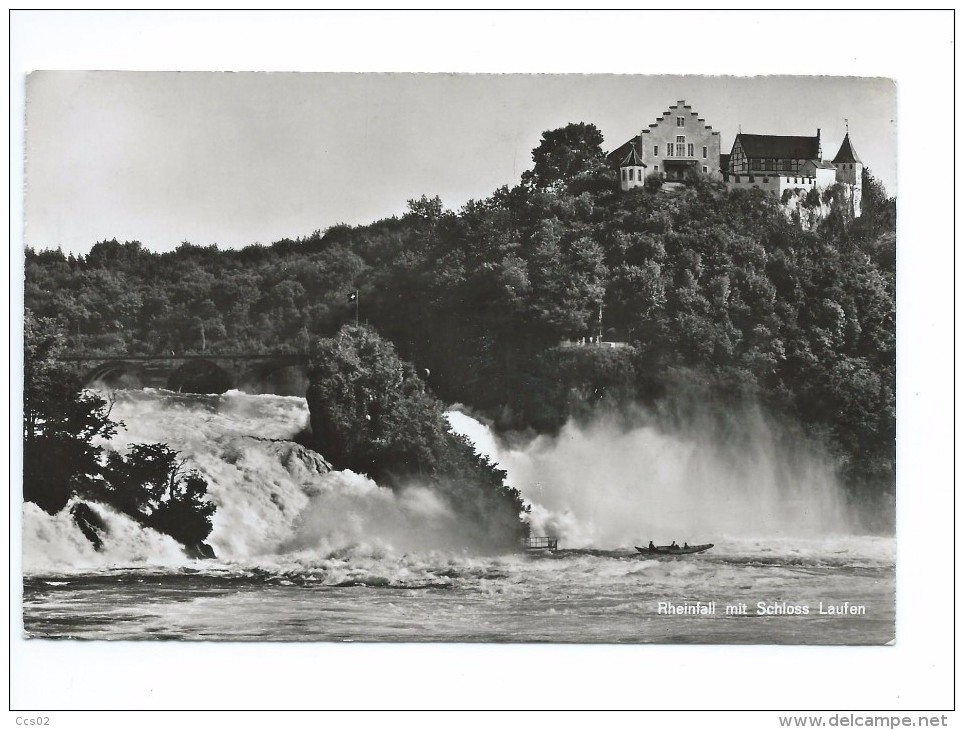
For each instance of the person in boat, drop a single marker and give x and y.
(651, 546)
(685, 545)
(674, 546)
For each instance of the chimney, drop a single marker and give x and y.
(681, 103)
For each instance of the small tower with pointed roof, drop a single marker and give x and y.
(850, 171)
(632, 170)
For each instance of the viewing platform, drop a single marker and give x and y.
(593, 342)
(540, 543)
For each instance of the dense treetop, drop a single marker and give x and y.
(371, 412)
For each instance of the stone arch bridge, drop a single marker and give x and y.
(282, 374)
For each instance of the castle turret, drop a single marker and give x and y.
(631, 170)
(850, 171)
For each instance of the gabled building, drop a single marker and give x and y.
(781, 163)
(754, 153)
(678, 144)
(777, 163)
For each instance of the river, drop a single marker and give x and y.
(310, 553)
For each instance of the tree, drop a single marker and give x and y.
(567, 153)
(370, 412)
(879, 208)
(568, 281)
(152, 485)
(60, 423)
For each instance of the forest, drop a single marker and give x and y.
(719, 294)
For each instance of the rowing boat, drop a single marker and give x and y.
(674, 550)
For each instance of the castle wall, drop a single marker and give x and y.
(826, 177)
(774, 184)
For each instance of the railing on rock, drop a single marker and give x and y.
(540, 543)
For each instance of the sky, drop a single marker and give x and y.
(238, 158)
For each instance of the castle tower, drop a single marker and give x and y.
(850, 172)
(631, 170)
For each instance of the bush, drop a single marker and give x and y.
(654, 182)
(153, 486)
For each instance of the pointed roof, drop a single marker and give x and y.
(773, 146)
(847, 152)
(619, 154)
(632, 159)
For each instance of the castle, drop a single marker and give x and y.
(680, 144)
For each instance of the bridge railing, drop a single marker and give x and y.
(298, 357)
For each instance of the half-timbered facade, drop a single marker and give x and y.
(754, 154)
(779, 163)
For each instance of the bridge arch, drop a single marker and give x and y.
(200, 376)
(115, 374)
(280, 373)
(279, 376)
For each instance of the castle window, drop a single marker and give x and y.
(655, 168)
(680, 146)
(751, 178)
(766, 179)
(736, 178)
(756, 164)
(704, 153)
(631, 174)
(655, 150)
(689, 150)
(679, 121)
(704, 169)
(624, 173)
(669, 149)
